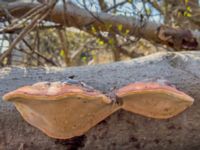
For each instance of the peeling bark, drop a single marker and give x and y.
(122, 130)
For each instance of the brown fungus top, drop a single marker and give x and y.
(53, 91)
(151, 87)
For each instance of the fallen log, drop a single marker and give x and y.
(121, 130)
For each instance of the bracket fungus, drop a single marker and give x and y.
(61, 110)
(153, 99)
(64, 110)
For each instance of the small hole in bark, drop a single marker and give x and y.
(138, 146)
(156, 141)
(71, 77)
(73, 143)
(170, 141)
(133, 139)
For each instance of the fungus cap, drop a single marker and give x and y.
(154, 100)
(61, 110)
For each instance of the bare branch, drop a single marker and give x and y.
(79, 18)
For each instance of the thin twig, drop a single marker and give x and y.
(26, 30)
(40, 55)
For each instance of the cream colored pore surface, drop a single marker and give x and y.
(64, 118)
(155, 104)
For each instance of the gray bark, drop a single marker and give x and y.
(122, 130)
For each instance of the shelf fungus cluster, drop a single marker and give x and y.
(67, 109)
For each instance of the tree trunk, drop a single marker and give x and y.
(121, 130)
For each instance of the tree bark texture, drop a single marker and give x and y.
(121, 130)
